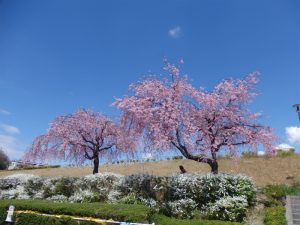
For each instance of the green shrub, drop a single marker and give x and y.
(276, 193)
(249, 154)
(140, 184)
(130, 199)
(24, 167)
(275, 216)
(119, 212)
(65, 186)
(33, 186)
(151, 190)
(3, 213)
(33, 219)
(286, 153)
(30, 219)
(177, 157)
(164, 220)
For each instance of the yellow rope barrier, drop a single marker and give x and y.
(97, 220)
(101, 221)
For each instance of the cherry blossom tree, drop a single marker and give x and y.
(80, 136)
(172, 114)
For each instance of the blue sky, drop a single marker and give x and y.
(57, 56)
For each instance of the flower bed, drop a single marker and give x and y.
(132, 213)
(223, 197)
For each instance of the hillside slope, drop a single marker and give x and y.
(262, 170)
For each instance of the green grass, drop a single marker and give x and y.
(164, 220)
(119, 212)
(275, 211)
(29, 219)
(276, 193)
(275, 216)
(281, 190)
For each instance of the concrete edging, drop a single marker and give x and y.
(288, 210)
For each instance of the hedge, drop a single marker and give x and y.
(31, 219)
(36, 167)
(164, 220)
(120, 212)
(275, 211)
(275, 216)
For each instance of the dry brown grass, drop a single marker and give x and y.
(262, 170)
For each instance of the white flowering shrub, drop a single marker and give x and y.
(34, 187)
(177, 196)
(58, 186)
(58, 198)
(139, 184)
(82, 196)
(209, 188)
(105, 186)
(14, 193)
(12, 181)
(150, 202)
(65, 186)
(131, 198)
(183, 208)
(13, 186)
(228, 209)
(146, 186)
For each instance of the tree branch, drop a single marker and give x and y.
(87, 156)
(105, 148)
(86, 140)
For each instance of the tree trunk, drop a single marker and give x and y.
(212, 162)
(96, 164)
(214, 166)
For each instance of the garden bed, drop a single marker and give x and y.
(189, 197)
(117, 212)
(275, 202)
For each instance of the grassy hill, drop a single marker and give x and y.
(277, 170)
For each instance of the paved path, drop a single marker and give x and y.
(293, 210)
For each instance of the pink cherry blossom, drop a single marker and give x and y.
(171, 113)
(80, 136)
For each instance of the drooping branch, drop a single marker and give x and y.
(87, 141)
(186, 153)
(106, 148)
(87, 156)
(78, 136)
(194, 121)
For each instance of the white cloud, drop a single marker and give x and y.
(175, 32)
(260, 153)
(4, 112)
(9, 129)
(10, 145)
(7, 139)
(293, 134)
(284, 146)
